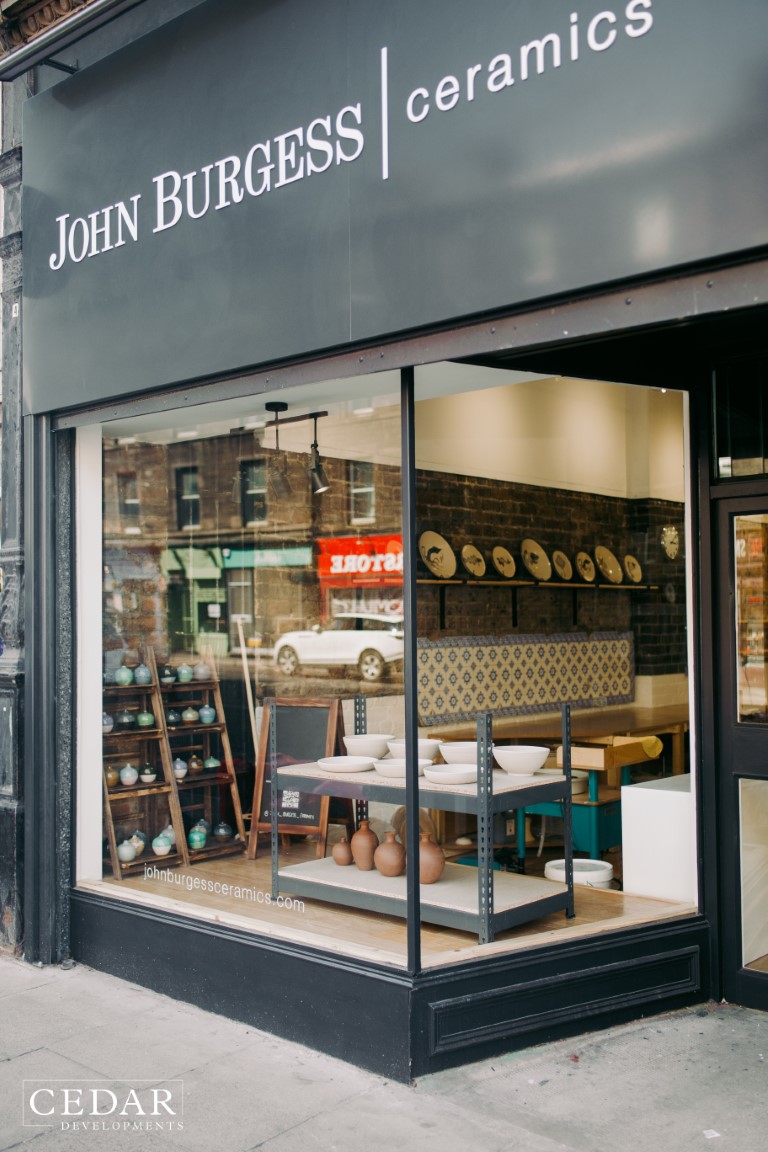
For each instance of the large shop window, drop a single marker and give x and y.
(258, 610)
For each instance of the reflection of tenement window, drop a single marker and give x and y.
(187, 498)
(362, 493)
(128, 506)
(253, 491)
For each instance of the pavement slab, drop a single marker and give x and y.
(679, 1081)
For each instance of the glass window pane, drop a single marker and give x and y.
(753, 795)
(741, 406)
(750, 543)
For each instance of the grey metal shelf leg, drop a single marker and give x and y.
(568, 810)
(485, 826)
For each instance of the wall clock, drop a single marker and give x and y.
(670, 540)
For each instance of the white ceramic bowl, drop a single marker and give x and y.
(396, 767)
(521, 759)
(373, 744)
(451, 773)
(346, 763)
(427, 748)
(459, 751)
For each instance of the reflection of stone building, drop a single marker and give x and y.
(196, 541)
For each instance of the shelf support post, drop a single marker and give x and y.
(272, 754)
(485, 826)
(568, 810)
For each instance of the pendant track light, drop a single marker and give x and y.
(317, 477)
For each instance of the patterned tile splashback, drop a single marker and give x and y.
(522, 675)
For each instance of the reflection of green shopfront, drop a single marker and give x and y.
(212, 590)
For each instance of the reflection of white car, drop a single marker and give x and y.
(363, 639)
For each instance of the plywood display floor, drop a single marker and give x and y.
(193, 891)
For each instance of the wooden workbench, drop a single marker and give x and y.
(624, 720)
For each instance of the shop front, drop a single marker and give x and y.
(400, 401)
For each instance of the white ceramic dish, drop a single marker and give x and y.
(373, 744)
(503, 562)
(451, 773)
(459, 751)
(426, 748)
(633, 568)
(395, 767)
(536, 560)
(579, 780)
(562, 565)
(521, 759)
(437, 554)
(473, 560)
(585, 566)
(346, 763)
(608, 564)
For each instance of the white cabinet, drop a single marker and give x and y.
(658, 834)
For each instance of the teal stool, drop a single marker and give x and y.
(596, 825)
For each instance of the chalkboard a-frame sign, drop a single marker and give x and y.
(305, 730)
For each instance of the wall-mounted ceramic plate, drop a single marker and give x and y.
(473, 560)
(437, 554)
(562, 565)
(536, 560)
(633, 569)
(503, 562)
(608, 565)
(585, 566)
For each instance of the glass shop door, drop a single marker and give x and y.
(743, 746)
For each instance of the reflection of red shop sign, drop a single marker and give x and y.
(351, 560)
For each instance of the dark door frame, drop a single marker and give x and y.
(739, 746)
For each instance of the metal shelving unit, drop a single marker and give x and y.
(488, 902)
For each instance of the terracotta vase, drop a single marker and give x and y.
(389, 857)
(364, 843)
(342, 852)
(431, 860)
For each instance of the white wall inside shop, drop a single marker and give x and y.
(559, 432)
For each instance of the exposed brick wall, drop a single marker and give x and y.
(472, 510)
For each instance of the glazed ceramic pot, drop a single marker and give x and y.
(222, 831)
(128, 775)
(180, 768)
(125, 719)
(145, 720)
(342, 852)
(207, 714)
(142, 674)
(124, 676)
(167, 674)
(169, 834)
(184, 673)
(206, 827)
(389, 857)
(161, 845)
(190, 716)
(137, 834)
(148, 774)
(431, 860)
(195, 764)
(172, 717)
(138, 842)
(364, 843)
(112, 776)
(211, 764)
(107, 722)
(202, 671)
(126, 852)
(197, 839)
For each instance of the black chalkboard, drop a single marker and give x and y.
(305, 731)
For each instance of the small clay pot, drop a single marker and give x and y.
(145, 719)
(142, 674)
(389, 857)
(190, 715)
(431, 860)
(112, 776)
(363, 844)
(342, 852)
(195, 764)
